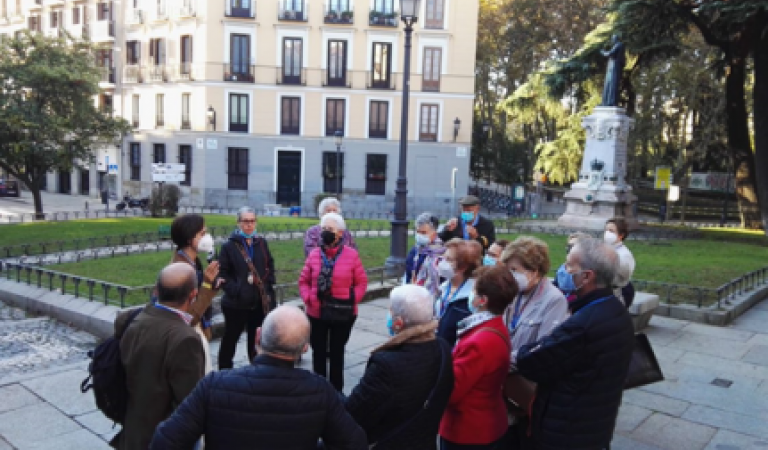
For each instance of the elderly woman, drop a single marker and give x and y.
(476, 417)
(460, 260)
(493, 256)
(616, 230)
(421, 263)
(563, 279)
(312, 238)
(408, 380)
(331, 284)
(248, 295)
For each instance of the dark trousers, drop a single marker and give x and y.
(330, 336)
(235, 320)
(448, 445)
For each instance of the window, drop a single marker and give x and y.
(135, 111)
(159, 153)
(240, 58)
(238, 113)
(132, 53)
(381, 66)
(33, 23)
(185, 157)
(332, 182)
(292, 48)
(135, 161)
(186, 124)
(186, 56)
(157, 51)
(159, 110)
(291, 10)
(75, 15)
(334, 116)
(238, 169)
(103, 11)
(375, 174)
(239, 8)
(337, 63)
(378, 118)
(290, 122)
(432, 63)
(55, 19)
(105, 104)
(435, 10)
(428, 125)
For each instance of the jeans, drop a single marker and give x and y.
(235, 320)
(338, 334)
(448, 445)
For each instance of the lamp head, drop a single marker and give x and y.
(409, 11)
(338, 136)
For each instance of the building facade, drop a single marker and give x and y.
(250, 95)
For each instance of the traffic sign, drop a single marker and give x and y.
(168, 177)
(168, 168)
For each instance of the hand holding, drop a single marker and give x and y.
(211, 272)
(451, 225)
(472, 232)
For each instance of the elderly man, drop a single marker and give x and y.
(470, 225)
(162, 355)
(421, 262)
(408, 381)
(581, 367)
(267, 405)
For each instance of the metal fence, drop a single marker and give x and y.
(742, 285)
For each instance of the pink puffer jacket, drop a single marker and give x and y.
(347, 273)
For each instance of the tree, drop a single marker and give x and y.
(48, 116)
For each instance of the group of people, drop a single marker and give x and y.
(476, 320)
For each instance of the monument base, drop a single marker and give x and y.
(589, 209)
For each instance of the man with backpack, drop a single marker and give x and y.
(162, 356)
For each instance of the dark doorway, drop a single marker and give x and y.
(65, 182)
(289, 178)
(85, 181)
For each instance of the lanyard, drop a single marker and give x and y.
(192, 263)
(444, 306)
(175, 311)
(518, 314)
(464, 227)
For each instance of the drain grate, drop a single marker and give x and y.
(722, 382)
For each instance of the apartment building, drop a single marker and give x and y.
(250, 95)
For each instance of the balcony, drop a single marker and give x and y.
(107, 76)
(296, 77)
(135, 121)
(76, 30)
(239, 72)
(186, 122)
(339, 13)
(186, 11)
(100, 31)
(135, 17)
(375, 80)
(132, 74)
(54, 33)
(245, 9)
(383, 14)
(156, 73)
(343, 80)
(187, 71)
(292, 10)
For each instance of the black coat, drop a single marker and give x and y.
(580, 369)
(456, 311)
(486, 232)
(238, 294)
(267, 405)
(396, 384)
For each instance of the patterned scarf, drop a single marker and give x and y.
(325, 279)
(473, 321)
(427, 276)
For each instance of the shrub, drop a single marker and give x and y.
(164, 201)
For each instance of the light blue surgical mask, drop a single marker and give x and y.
(422, 240)
(390, 324)
(467, 216)
(565, 281)
(489, 260)
(470, 303)
(247, 236)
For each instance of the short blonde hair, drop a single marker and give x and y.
(469, 254)
(532, 252)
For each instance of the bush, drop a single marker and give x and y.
(164, 201)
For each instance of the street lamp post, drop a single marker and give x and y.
(337, 138)
(409, 10)
(211, 117)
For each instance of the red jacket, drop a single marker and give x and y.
(476, 413)
(348, 272)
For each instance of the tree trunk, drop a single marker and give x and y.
(760, 117)
(740, 146)
(34, 188)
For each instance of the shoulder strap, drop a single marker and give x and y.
(497, 333)
(263, 247)
(248, 261)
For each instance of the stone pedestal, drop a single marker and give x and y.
(601, 191)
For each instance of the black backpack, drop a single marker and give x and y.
(106, 376)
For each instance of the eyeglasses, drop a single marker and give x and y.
(248, 221)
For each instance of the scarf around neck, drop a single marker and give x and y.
(427, 275)
(474, 320)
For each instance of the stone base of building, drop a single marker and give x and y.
(589, 210)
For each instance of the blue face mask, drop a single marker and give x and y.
(390, 325)
(247, 236)
(467, 216)
(565, 281)
(489, 261)
(470, 303)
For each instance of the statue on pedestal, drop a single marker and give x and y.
(616, 61)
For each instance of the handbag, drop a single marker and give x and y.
(519, 392)
(644, 368)
(337, 310)
(266, 299)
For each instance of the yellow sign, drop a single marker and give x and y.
(663, 178)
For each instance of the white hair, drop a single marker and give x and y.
(594, 254)
(325, 203)
(412, 303)
(340, 224)
(245, 210)
(426, 219)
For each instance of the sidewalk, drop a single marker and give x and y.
(715, 396)
(11, 206)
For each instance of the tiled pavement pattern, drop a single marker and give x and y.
(44, 409)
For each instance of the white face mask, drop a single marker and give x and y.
(610, 238)
(445, 269)
(422, 240)
(206, 244)
(522, 281)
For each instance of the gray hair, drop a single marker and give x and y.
(340, 224)
(412, 303)
(285, 332)
(594, 254)
(245, 210)
(325, 203)
(579, 235)
(426, 219)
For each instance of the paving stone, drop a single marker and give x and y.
(709, 345)
(96, 422)
(739, 401)
(719, 332)
(740, 423)
(662, 335)
(666, 355)
(77, 440)
(15, 396)
(671, 433)
(759, 339)
(737, 368)
(630, 417)
(23, 426)
(5, 445)
(754, 321)
(69, 400)
(360, 339)
(728, 440)
(655, 402)
(621, 442)
(758, 354)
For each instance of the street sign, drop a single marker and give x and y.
(674, 193)
(663, 178)
(168, 177)
(168, 168)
